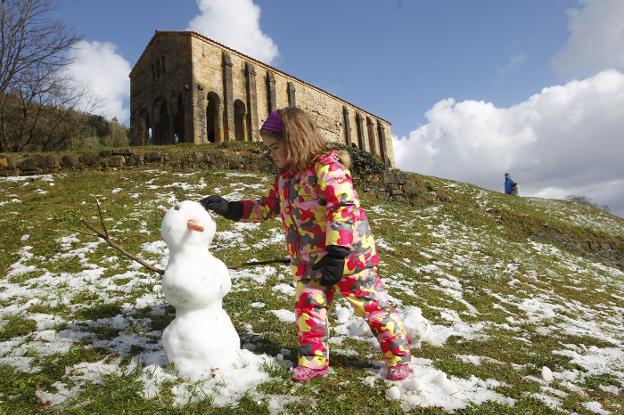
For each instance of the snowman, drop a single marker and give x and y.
(201, 340)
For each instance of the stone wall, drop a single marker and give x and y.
(160, 93)
(128, 158)
(226, 95)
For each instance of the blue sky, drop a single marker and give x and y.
(473, 88)
(395, 58)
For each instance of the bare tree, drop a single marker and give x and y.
(33, 55)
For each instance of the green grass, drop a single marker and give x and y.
(456, 248)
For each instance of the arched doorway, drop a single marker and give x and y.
(240, 121)
(212, 118)
(179, 121)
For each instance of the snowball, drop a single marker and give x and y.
(547, 374)
(418, 328)
(393, 393)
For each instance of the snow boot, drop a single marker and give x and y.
(304, 374)
(398, 372)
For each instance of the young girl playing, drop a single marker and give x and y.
(328, 238)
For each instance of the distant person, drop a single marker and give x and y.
(511, 187)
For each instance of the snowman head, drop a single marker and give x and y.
(187, 225)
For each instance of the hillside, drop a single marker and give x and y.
(508, 284)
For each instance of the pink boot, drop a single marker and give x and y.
(304, 374)
(398, 372)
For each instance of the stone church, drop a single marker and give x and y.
(186, 87)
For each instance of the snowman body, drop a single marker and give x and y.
(201, 339)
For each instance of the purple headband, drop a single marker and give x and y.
(273, 123)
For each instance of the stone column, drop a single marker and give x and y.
(347, 126)
(290, 89)
(382, 140)
(228, 98)
(244, 124)
(171, 115)
(252, 100)
(372, 141)
(271, 91)
(201, 126)
(219, 124)
(362, 132)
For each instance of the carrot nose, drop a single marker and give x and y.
(191, 225)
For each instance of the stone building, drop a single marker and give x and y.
(186, 87)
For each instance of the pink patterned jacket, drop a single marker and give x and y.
(318, 207)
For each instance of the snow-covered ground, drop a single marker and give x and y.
(458, 287)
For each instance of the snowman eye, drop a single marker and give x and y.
(177, 207)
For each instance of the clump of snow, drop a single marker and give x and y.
(418, 328)
(286, 316)
(259, 275)
(547, 374)
(430, 387)
(225, 386)
(285, 289)
(596, 408)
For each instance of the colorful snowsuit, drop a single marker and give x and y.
(319, 207)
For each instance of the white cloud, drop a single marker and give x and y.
(596, 39)
(103, 74)
(567, 139)
(235, 23)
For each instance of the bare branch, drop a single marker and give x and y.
(101, 218)
(256, 263)
(113, 244)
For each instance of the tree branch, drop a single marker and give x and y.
(113, 244)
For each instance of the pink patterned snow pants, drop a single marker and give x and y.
(369, 299)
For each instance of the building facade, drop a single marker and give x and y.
(186, 87)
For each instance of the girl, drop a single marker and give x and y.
(328, 239)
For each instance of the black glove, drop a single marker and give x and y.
(229, 210)
(331, 265)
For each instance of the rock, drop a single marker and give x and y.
(116, 161)
(152, 157)
(39, 163)
(90, 159)
(135, 160)
(69, 161)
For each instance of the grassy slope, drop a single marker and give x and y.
(475, 242)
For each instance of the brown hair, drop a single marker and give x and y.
(302, 140)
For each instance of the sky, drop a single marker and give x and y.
(472, 89)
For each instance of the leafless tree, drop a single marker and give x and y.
(33, 53)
